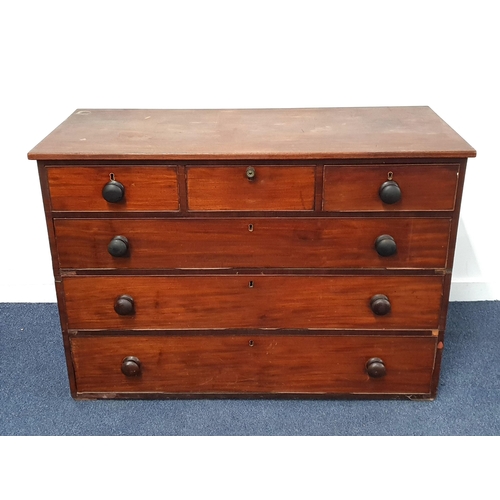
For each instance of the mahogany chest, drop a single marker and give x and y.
(253, 253)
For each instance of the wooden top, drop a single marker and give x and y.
(320, 133)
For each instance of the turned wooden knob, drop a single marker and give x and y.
(118, 246)
(131, 366)
(390, 192)
(375, 368)
(124, 305)
(380, 304)
(113, 192)
(385, 245)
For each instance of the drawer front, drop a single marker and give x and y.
(423, 187)
(271, 188)
(152, 189)
(252, 301)
(252, 243)
(254, 364)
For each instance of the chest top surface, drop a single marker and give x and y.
(231, 134)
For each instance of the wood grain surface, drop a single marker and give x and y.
(273, 364)
(252, 243)
(423, 187)
(402, 132)
(147, 188)
(253, 301)
(273, 188)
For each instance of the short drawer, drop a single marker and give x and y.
(422, 187)
(80, 189)
(236, 364)
(250, 188)
(252, 301)
(253, 243)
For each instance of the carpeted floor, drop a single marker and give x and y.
(35, 399)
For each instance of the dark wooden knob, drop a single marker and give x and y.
(375, 368)
(250, 173)
(113, 192)
(390, 192)
(124, 305)
(118, 246)
(380, 304)
(131, 366)
(385, 245)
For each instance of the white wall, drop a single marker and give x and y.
(59, 56)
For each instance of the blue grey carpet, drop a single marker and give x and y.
(35, 399)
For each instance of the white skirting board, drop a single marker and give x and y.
(27, 292)
(470, 291)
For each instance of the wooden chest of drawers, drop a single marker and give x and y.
(253, 253)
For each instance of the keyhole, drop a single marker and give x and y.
(390, 175)
(250, 284)
(111, 176)
(250, 343)
(250, 227)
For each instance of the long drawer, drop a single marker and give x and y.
(252, 364)
(251, 301)
(252, 243)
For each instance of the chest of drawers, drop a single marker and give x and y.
(253, 253)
